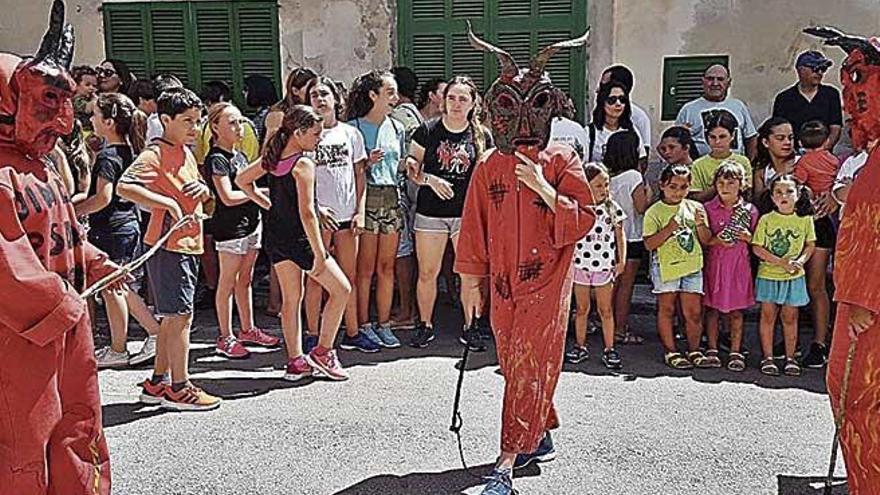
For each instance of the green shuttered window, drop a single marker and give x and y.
(198, 41)
(683, 81)
(432, 40)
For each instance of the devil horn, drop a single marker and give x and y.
(52, 38)
(509, 68)
(847, 42)
(64, 54)
(540, 60)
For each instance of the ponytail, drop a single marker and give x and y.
(137, 133)
(297, 118)
(273, 149)
(129, 122)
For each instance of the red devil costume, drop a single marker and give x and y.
(50, 411)
(520, 247)
(857, 272)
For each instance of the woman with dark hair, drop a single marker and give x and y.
(114, 76)
(441, 159)
(775, 156)
(294, 94)
(612, 114)
(370, 103)
(629, 190)
(677, 146)
(259, 93)
(431, 97)
(720, 129)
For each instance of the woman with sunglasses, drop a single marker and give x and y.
(113, 76)
(613, 113)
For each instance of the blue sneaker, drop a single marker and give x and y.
(309, 343)
(544, 453)
(500, 482)
(359, 342)
(369, 331)
(386, 336)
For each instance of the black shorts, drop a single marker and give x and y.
(826, 234)
(635, 250)
(173, 278)
(120, 244)
(298, 251)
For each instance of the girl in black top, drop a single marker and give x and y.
(441, 159)
(293, 239)
(236, 230)
(113, 221)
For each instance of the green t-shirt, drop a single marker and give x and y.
(681, 254)
(784, 236)
(704, 168)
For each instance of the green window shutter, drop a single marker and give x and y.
(215, 50)
(432, 40)
(256, 44)
(171, 50)
(125, 35)
(683, 81)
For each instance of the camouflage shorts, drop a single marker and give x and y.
(382, 210)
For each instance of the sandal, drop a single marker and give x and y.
(676, 361)
(737, 362)
(792, 368)
(712, 359)
(698, 359)
(629, 338)
(768, 367)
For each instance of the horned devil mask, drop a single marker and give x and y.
(35, 93)
(523, 102)
(860, 75)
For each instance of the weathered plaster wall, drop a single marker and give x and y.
(762, 38)
(343, 38)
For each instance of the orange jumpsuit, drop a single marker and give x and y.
(857, 282)
(51, 439)
(511, 236)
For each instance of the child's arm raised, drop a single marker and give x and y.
(703, 232)
(245, 181)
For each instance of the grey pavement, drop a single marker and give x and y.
(386, 431)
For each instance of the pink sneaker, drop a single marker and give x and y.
(231, 348)
(258, 337)
(297, 368)
(328, 365)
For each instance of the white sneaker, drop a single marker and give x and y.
(147, 352)
(108, 358)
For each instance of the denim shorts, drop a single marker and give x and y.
(438, 225)
(241, 246)
(692, 284)
(173, 278)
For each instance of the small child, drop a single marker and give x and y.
(166, 179)
(674, 229)
(598, 259)
(728, 275)
(721, 133)
(817, 169)
(86, 79)
(784, 240)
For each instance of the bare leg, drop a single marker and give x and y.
(273, 305)
(430, 247)
(790, 329)
(346, 255)
(244, 300)
(386, 255)
(605, 306)
(820, 303)
(404, 268)
(117, 317)
(623, 295)
(692, 307)
(769, 311)
(173, 346)
(735, 322)
(290, 277)
(366, 267)
(141, 313)
(582, 312)
(229, 268)
(315, 294)
(334, 282)
(665, 313)
(712, 320)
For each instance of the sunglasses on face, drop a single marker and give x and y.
(614, 100)
(105, 72)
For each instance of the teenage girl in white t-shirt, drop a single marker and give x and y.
(340, 192)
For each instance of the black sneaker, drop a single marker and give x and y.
(577, 354)
(470, 336)
(544, 453)
(423, 335)
(485, 328)
(611, 359)
(817, 356)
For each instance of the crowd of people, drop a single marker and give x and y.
(358, 194)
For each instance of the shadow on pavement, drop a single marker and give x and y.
(444, 482)
(814, 485)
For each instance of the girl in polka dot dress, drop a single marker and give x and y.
(598, 259)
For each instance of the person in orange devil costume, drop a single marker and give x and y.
(51, 441)
(527, 205)
(857, 273)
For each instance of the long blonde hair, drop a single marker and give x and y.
(214, 114)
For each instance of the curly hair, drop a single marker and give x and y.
(359, 101)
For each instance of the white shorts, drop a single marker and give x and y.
(241, 246)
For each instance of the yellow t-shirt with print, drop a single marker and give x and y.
(784, 236)
(681, 255)
(703, 170)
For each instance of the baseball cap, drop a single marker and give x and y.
(813, 60)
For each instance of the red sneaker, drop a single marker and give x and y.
(231, 348)
(297, 368)
(258, 337)
(152, 394)
(328, 365)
